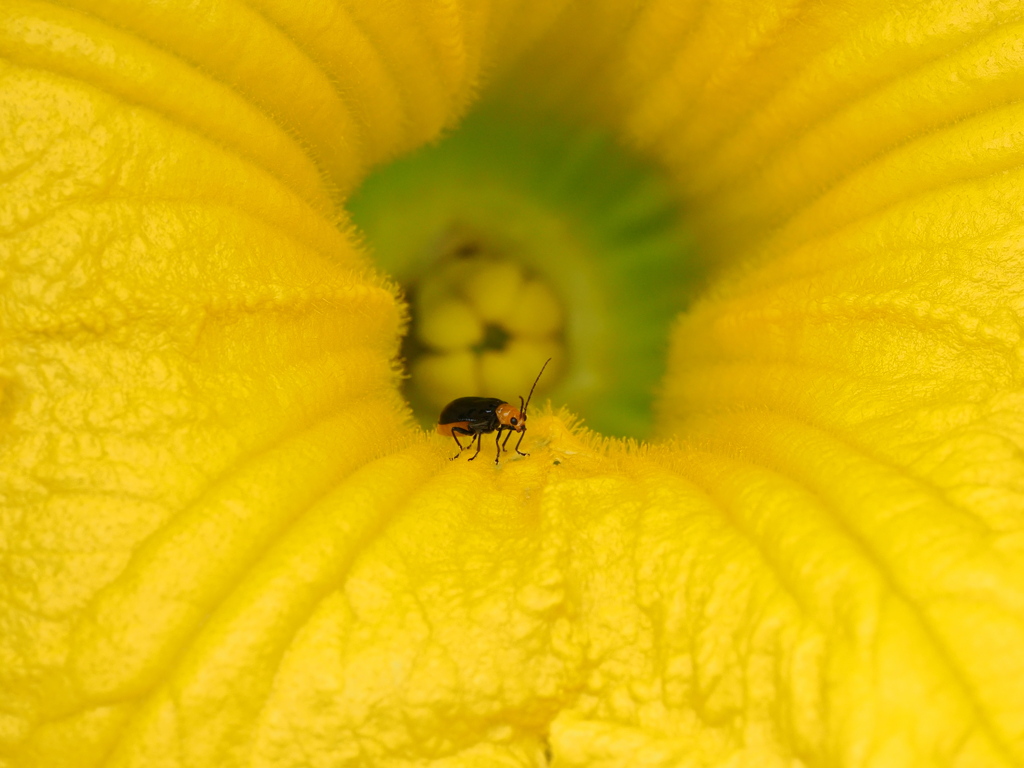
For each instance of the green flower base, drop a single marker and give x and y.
(594, 222)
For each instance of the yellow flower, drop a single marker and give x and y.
(224, 544)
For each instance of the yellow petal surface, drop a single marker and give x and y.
(221, 544)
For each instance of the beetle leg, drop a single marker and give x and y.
(456, 439)
(504, 445)
(521, 436)
(479, 435)
(497, 445)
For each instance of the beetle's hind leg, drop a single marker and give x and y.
(461, 449)
(479, 435)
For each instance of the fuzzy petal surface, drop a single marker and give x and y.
(223, 544)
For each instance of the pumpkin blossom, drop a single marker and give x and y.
(224, 542)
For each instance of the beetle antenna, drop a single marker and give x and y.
(533, 388)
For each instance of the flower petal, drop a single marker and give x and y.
(222, 544)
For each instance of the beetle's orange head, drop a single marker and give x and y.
(511, 417)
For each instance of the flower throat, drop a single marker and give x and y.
(519, 239)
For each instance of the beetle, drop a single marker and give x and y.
(478, 416)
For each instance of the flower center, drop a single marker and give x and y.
(481, 322)
(519, 239)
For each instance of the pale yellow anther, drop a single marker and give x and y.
(536, 311)
(493, 289)
(448, 325)
(454, 306)
(441, 378)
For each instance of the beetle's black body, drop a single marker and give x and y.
(478, 416)
(478, 412)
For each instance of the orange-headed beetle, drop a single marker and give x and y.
(477, 416)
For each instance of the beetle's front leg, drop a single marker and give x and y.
(519, 442)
